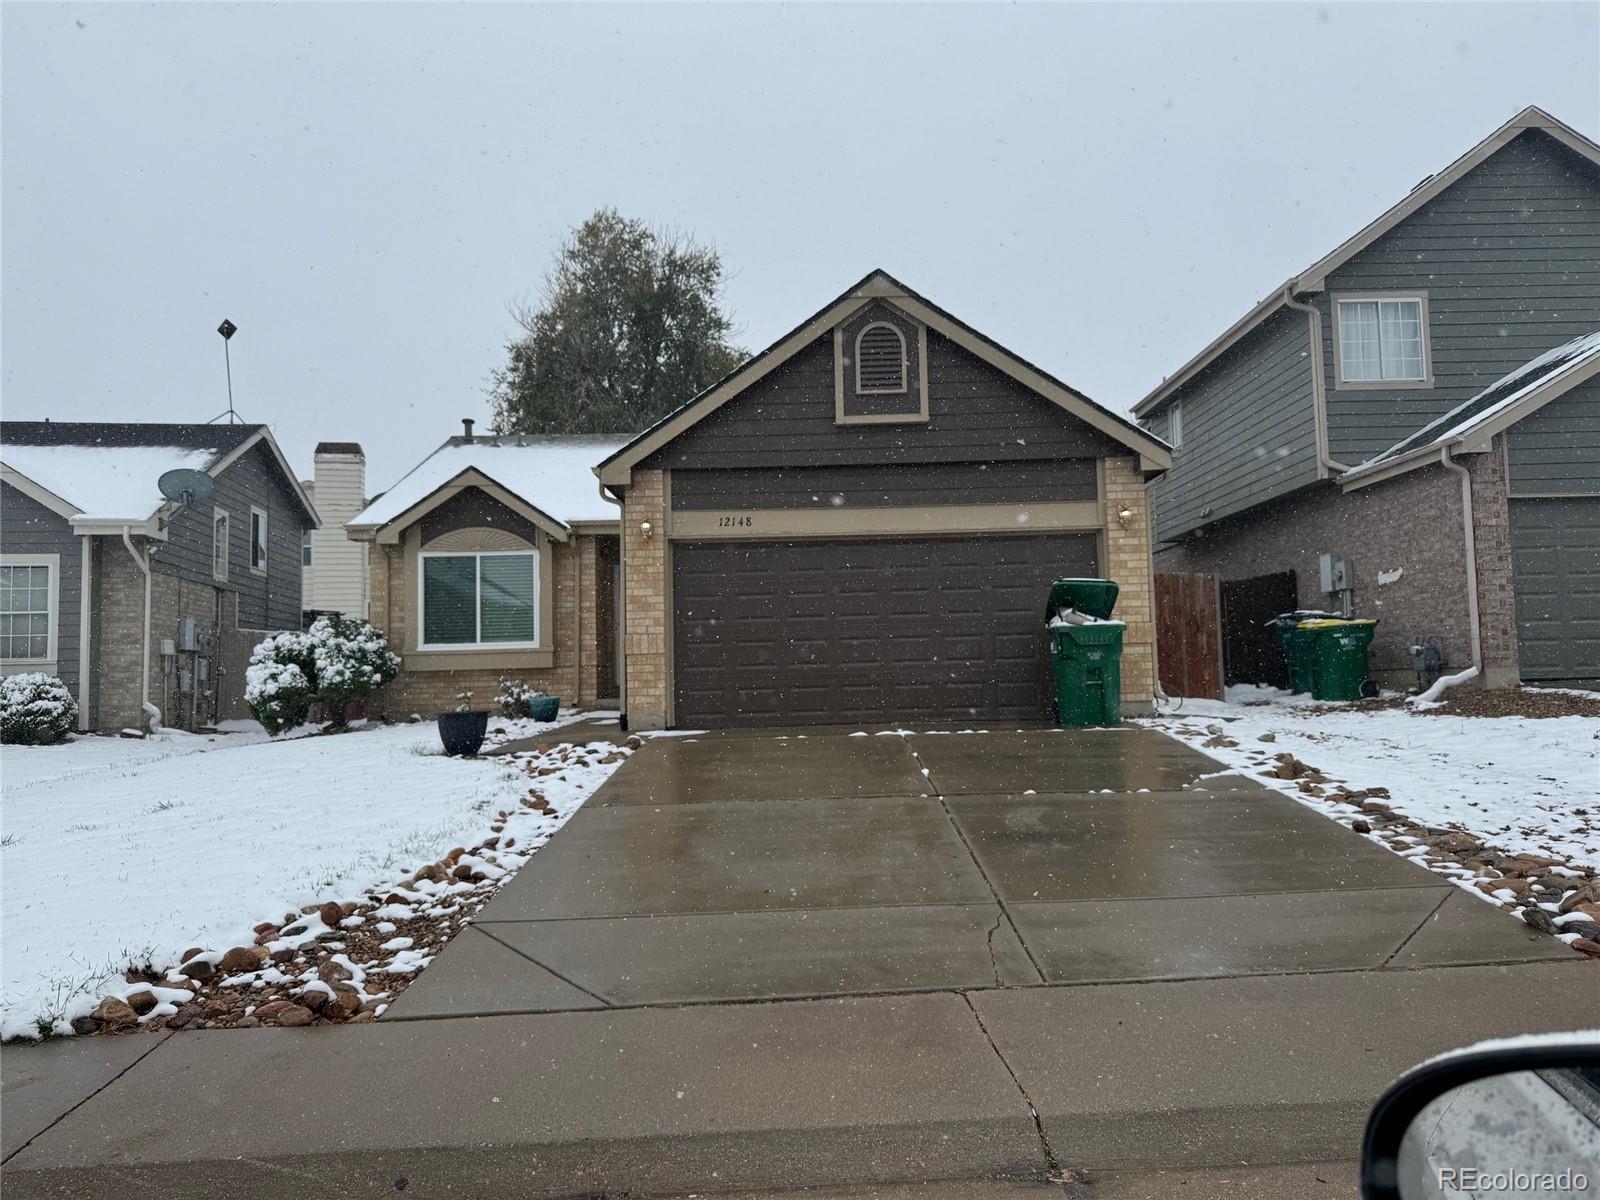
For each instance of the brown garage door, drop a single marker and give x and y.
(869, 630)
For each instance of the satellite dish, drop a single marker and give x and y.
(186, 487)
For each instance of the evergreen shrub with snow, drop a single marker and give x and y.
(513, 698)
(337, 661)
(35, 710)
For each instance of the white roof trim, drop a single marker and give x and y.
(37, 492)
(265, 435)
(1314, 277)
(468, 477)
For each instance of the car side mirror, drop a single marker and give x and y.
(1519, 1117)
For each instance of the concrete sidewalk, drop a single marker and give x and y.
(764, 961)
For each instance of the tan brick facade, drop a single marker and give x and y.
(644, 584)
(1497, 599)
(572, 676)
(1127, 562)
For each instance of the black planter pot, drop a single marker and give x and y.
(463, 732)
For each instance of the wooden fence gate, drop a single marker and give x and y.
(1189, 635)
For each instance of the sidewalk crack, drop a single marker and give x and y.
(1057, 1174)
(1432, 912)
(542, 966)
(158, 1042)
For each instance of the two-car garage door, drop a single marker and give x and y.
(866, 630)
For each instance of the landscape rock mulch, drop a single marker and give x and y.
(344, 961)
(1535, 703)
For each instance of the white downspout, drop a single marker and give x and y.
(619, 605)
(1471, 546)
(85, 627)
(1319, 385)
(151, 712)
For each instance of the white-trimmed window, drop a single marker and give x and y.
(1382, 340)
(29, 592)
(880, 360)
(478, 599)
(1175, 424)
(219, 545)
(305, 546)
(258, 540)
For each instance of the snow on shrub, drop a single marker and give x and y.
(337, 661)
(513, 698)
(35, 709)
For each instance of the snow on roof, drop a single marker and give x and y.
(106, 483)
(1498, 396)
(553, 474)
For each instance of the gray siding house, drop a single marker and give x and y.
(145, 608)
(1420, 403)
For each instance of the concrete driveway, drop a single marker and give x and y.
(820, 959)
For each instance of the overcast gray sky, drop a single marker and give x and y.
(364, 188)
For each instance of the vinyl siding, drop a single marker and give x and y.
(270, 601)
(886, 486)
(1509, 257)
(28, 527)
(337, 578)
(1556, 451)
(975, 414)
(1249, 432)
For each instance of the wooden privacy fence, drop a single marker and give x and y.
(1189, 635)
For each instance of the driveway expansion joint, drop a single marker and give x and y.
(544, 966)
(1421, 925)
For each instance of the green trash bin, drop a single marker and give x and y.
(1086, 659)
(1339, 649)
(1298, 654)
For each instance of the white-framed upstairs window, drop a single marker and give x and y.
(1175, 424)
(29, 595)
(219, 545)
(258, 540)
(478, 600)
(1381, 341)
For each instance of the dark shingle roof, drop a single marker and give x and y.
(224, 439)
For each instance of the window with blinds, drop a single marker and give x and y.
(474, 600)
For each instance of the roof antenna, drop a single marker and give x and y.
(227, 329)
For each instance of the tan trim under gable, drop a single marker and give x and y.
(777, 524)
(617, 471)
(1314, 278)
(391, 532)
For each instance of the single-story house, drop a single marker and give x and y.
(496, 557)
(861, 522)
(146, 607)
(1410, 429)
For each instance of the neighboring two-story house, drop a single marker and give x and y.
(334, 566)
(146, 607)
(1410, 428)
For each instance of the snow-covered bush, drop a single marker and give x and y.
(513, 698)
(35, 709)
(337, 662)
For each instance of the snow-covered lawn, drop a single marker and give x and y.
(119, 852)
(1519, 784)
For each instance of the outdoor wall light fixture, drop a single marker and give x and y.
(647, 530)
(1124, 515)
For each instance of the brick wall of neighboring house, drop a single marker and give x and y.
(431, 692)
(644, 583)
(1497, 598)
(1410, 524)
(117, 628)
(1128, 563)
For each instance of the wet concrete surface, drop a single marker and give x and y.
(757, 961)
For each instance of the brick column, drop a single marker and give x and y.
(1491, 530)
(1128, 564)
(644, 582)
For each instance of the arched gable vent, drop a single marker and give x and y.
(880, 359)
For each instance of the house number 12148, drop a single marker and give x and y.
(733, 522)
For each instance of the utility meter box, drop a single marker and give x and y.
(1338, 574)
(186, 640)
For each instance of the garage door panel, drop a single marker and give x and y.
(880, 630)
(1556, 564)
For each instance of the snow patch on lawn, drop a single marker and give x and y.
(121, 852)
(1523, 785)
